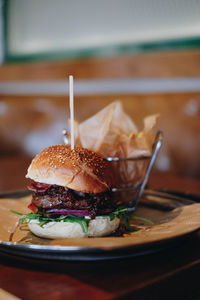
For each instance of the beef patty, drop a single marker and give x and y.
(60, 197)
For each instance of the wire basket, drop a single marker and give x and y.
(129, 192)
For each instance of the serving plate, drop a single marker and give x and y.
(170, 226)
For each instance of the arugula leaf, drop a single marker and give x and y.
(121, 212)
(26, 218)
(143, 219)
(126, 221)
(16, 212)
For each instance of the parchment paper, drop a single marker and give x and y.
(112, 133)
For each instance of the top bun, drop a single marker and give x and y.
(79, 169)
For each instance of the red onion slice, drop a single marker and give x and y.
(77, 213)
(72, 212)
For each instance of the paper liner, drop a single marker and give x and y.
(112, 133)
(168, 225)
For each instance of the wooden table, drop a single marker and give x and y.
(170, 274)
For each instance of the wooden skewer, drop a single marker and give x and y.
(71, 106)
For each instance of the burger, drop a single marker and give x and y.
(71, 194)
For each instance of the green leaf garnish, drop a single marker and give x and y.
(121, 212)
(143, 220)
(16, 212)
(26, 218)
(125, 216)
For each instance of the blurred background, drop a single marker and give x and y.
(145, 53)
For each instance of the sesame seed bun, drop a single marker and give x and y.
(79, 169)
(100, 226)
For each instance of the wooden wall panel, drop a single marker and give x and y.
(157, 64)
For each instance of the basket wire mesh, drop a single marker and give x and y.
(133, 193)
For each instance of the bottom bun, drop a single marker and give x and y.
(100, 226)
